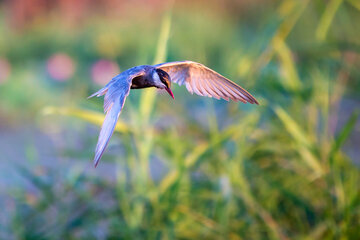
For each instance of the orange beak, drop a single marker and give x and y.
(170, 92)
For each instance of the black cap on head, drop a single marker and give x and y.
(164, 77)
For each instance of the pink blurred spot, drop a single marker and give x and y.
(5, 70)
(60, 67)
(103, 71)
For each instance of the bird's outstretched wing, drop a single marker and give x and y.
(115, 93)
(205, 81)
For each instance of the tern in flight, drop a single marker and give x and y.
(197, 78)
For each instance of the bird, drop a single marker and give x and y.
(197, 78)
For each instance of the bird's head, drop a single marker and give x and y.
(165, 81)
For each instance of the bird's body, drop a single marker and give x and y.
(196, 77)
(142, 81)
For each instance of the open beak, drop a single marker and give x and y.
(170, 92)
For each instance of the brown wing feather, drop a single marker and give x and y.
(205, 81)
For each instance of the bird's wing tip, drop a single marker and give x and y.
(255, 101)
(99, 93)
(97, 159)
(90, 96)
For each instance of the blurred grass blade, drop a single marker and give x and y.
(45, 188)
(163, 39)
(147, 103)
(87, 115)
(292, 127)
(209, 223)
(304, 142)
(149, 95)
(173, 176)
(344, 134)
(291, 11)
(232, 132)
(311, 161)
(291, 78)
(327, 18)
(190, 160)
(355, 3)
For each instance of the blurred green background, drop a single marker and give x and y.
(193, 168)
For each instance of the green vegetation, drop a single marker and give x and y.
(197, 168)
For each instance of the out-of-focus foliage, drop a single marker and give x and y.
(193, 168)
